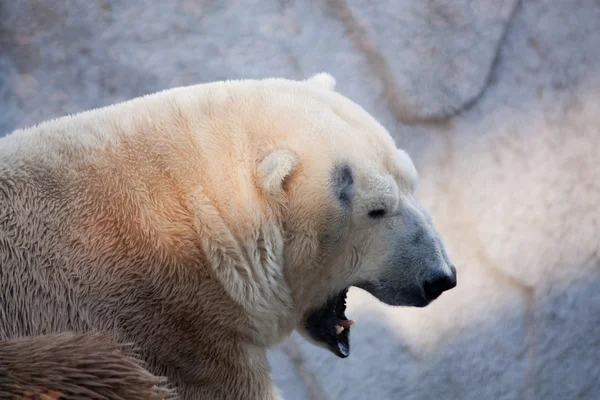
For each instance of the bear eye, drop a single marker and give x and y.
(378, 213)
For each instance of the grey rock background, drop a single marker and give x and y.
(498, 102)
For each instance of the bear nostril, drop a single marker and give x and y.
(434, 288)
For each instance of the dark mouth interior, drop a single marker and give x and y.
(330, 326)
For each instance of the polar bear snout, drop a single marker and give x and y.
(421, 256)
(433, 288)
(417, 269)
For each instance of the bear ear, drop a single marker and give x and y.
(408, 168)
(323, 80)
(275, 168)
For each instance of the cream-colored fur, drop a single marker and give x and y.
(202, 223)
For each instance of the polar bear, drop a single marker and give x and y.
(205, 223)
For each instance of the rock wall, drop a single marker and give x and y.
(496, 100)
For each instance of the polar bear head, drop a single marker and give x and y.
(350, 216)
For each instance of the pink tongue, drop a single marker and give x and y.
(346, 323)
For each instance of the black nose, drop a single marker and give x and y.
(437, 286)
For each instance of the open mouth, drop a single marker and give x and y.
(329, 325)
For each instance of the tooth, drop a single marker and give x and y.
(339, 329)
(347, 323)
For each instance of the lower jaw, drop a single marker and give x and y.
(411, 297)
(324, 333)
(329, 327)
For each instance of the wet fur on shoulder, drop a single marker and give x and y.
(68, 367)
